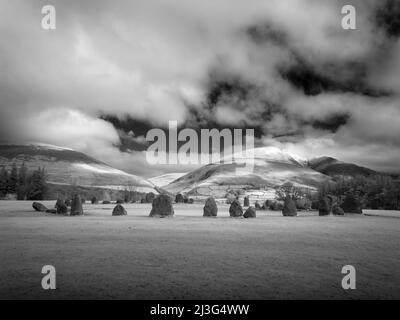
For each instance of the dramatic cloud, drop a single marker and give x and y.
(112, 70)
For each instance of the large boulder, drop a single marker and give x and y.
(119, 210)
(210, 208)
(106, 202)
(162, 206)
(94, 200)
(179, 198)
(76, 206)
(250, 213)
(235, 210)
(289, 208)
(62, 208)
(325, 206)
(246, 202)
(337, 210)
(351, 204)
(39, 207)
(257, 205)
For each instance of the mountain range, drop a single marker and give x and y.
(272, 168)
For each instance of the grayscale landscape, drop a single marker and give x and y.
(192, 257)
(212, 150)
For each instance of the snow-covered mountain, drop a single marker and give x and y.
(68, 167)
(272, 168)
(165, 179)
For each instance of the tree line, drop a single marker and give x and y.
(374, 192)
(22, 184)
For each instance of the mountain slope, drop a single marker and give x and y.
(68, 167)
(165, 179)
(333, 167)
(272, 168)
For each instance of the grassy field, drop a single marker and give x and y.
(190, 257)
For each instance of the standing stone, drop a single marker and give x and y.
(351, 204)
(62, 208)
(246, 202)
(179, 198)
(76, 206)
(119, 210)
(39, 207)
(235, 210)
(324, 206)
(162, 207)
(257, 205)
(59, 202)
(289, 208)
(210, 208)
(250, 213)
(337, 210)
(94, 200)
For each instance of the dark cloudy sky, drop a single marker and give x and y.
(113, 69)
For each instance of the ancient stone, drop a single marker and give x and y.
(289, 208)
(62, 208)
(235, 210)
(76, 206)
(257, 205)
(162, 206)
(210, 208)
(119, 210)
(246, 202)
(250, 213)
(51, 211)
(106, 202)
(324, 206)
(179, 198)
(94, 200)
(39, 207)
(59, 202)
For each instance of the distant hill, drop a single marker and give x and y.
(333, 167)
(272, 168)
(165, 179)
(68, 167)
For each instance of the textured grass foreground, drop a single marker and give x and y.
(190, 257)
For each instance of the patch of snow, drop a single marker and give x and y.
(101, 169)
(166, 179)
(50, 146)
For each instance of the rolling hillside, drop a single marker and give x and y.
(68, 167)
(333, 167)
(272, 168)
